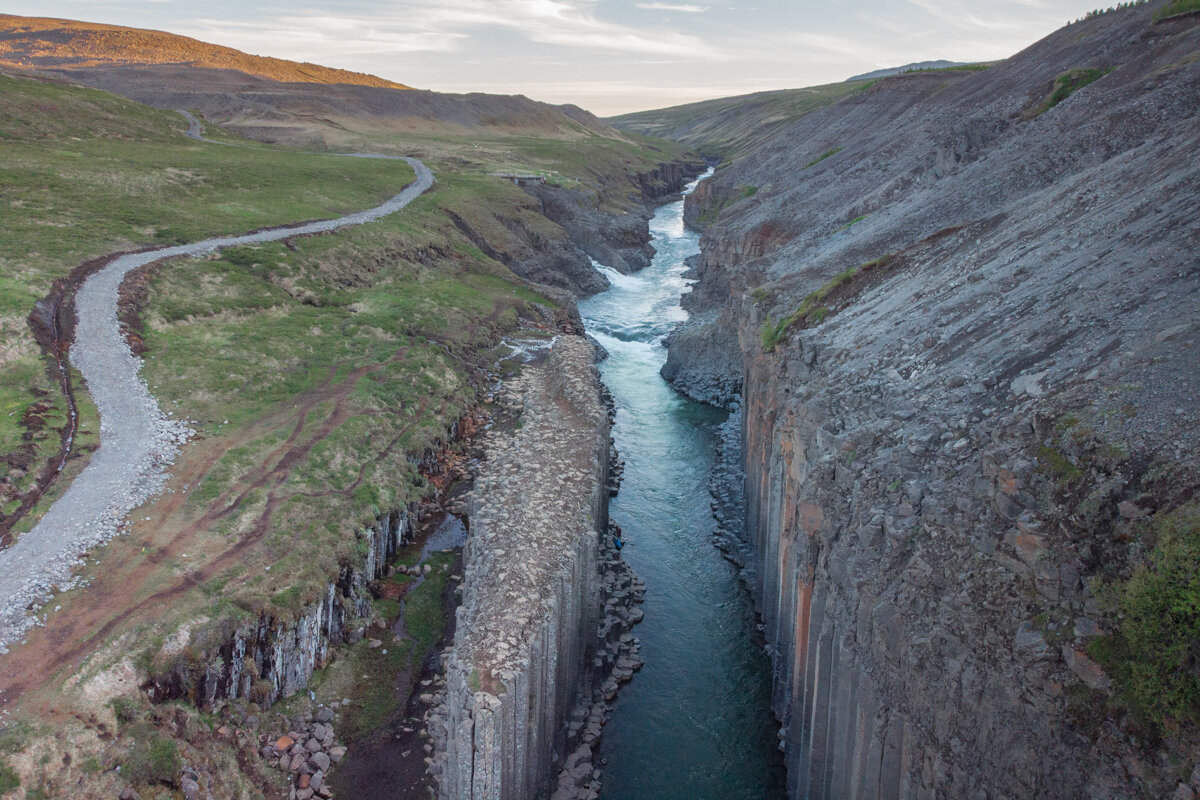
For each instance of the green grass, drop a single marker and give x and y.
(423, 614)
(1053, 462)
(823, 156)
(1070, 82)
(1177, 7)
(153, 759)
(241, 338)
(86, 173)
(1152, 654)
(376, 697)
(810, 311)
(976, 67)
(8, 779)
(851, 222)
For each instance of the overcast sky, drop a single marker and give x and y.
(609, 56)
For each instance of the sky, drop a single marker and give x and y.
(609, 56)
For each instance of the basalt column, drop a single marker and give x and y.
(532, 596)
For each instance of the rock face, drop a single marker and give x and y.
(273, 658)
(944, 459)
(532, 589)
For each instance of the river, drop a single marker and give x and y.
(695, 722)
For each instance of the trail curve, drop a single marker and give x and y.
(137, 440)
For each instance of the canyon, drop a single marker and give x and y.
(941, 355)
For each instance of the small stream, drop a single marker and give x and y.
(695, 722)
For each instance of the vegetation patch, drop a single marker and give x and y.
(1177, 7)
(823, 156)
(153, 759)
(1152, 656)
(810, 311)
(392, 669)
(1068, 83)
(852, 222)
(1054, 462)
(975, 67)
(826, 300)
(8, 779)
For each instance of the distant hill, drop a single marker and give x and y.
(726, 126)
(46, 43)
(268, 99)
(883, 73)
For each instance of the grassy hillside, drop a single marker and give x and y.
(87, 173)
(47, 42)
(728, 126)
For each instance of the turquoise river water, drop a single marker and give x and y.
(695, 722)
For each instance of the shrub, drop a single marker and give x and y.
(1154, 656)
(1178, 7)
(8, 779)
(152, 760)
(125, 709)
(1070, 82)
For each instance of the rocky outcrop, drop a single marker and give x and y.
(965, 374)
(664, 182)
(617, 240)
(273, 657)
(533, 586)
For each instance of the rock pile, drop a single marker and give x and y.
(306, 752)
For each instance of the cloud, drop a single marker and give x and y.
(690, 9)
(407, 26)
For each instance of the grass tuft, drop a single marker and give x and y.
(809, 312)
(822, 157)
(8, 779)
(1153, 654)
(1070, 82)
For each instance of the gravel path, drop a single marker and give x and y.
(138, 441)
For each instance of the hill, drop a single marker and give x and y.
(916, 65)
(730, 126)
(47, 43)
(268, 99)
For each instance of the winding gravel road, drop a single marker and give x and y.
(138, 441)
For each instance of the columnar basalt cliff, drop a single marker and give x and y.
(271, 657)
(532, 588)
(968, 351)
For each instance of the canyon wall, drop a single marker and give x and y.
(968, 351)
(274, 656)
(532, 589)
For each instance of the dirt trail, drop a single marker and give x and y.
(138, 441)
